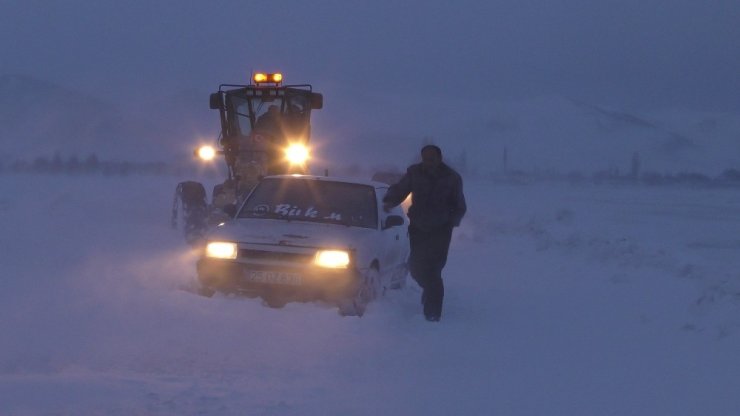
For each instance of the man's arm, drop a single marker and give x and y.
(459, 207)
(397, 192)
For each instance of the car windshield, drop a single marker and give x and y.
(310, 200)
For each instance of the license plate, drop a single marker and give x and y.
(278, 278)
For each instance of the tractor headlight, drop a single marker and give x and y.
(332, 259)
(206, 153)
(221, 250)
(296, 154)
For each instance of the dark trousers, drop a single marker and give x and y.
(427, 259)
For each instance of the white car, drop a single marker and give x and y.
(299, 237)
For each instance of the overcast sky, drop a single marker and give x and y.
(632, 54)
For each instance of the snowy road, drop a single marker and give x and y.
(560, 300)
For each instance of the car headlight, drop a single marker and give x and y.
(221, 250)
(332, 259)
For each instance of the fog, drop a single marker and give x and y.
(392, 74)
(620, 298)
(633, 54)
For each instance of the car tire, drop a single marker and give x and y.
(369, 290)
(205, 291)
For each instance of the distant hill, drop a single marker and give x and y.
(368, 129)
(546, 133)
(562, 134)
(41, 118)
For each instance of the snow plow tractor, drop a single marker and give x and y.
(265, 130)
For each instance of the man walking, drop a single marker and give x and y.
(437, 205)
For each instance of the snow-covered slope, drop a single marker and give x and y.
(559, 134)
(560, 300)
(360, 128)
(38, 118)
(545, 133)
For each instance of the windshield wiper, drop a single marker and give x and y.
(336, 221)
(253, 213)
(262, 214)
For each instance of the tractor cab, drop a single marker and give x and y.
(265, 130)
(265, 124)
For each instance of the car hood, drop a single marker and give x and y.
(292, 233)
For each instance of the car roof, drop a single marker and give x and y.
(356, 181)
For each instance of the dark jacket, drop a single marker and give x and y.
(437, 199)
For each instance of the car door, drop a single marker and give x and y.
(394, 239)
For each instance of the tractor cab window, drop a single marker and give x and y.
(249, 111)
(262, 107)
(279, 115)
(296, 120)
(298, 106)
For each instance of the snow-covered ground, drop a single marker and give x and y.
(560, 300)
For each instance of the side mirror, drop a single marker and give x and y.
(317, 101)
(393, 221)
(216, 102)
(230, 210)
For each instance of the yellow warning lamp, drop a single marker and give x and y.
(261, 78)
